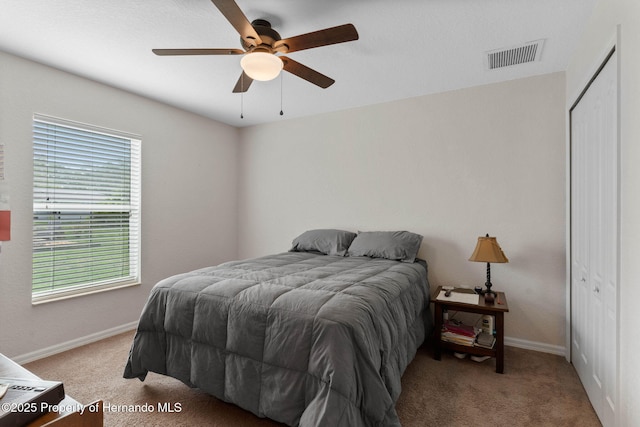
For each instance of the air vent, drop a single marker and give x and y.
(528, 52)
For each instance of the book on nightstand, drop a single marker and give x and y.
(458, 333)
(485, 340)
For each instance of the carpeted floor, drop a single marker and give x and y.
(537, 389)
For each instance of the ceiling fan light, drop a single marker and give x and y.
(261, 66)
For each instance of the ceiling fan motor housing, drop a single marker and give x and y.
(268, 35)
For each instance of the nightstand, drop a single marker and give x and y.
(497, 309)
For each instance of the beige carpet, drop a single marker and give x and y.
(537, 389)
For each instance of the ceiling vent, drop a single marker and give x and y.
(528, 52)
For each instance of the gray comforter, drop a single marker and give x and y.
(304, 339)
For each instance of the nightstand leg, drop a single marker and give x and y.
(499, 342)
(437, 332)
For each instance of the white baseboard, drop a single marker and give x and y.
(59, 348)
(534, 345)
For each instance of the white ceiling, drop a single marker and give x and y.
(406, 48)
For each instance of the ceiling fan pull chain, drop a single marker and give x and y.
(242, 95)
(281, 113)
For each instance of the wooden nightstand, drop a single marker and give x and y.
(497, 310)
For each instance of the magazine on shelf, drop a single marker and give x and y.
(459, 333)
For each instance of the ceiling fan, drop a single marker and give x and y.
(263, 45)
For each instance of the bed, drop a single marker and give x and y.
(307, 337)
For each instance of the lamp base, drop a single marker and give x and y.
(489, 297)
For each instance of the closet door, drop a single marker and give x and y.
(594, 240)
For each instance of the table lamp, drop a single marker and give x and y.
(488, 250)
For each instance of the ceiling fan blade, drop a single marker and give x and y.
(304, 72)
(339, 34)
(169, 52)
(234, 15)
(243, 83)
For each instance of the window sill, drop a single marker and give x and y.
(73, 293)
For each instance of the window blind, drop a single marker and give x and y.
(86, 208)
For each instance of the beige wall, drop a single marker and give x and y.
(188, 202)
(589, 54)
(451, 167)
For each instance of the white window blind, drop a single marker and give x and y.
(86, 208)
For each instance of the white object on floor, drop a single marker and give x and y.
(480, 358)
(460, 355)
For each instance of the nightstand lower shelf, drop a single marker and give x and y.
(476, 351)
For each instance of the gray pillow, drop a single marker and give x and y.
(397, 245)
(328, 242)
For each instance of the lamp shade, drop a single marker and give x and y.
(261, 66)
(488, 250)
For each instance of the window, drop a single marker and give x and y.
(86, 209)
